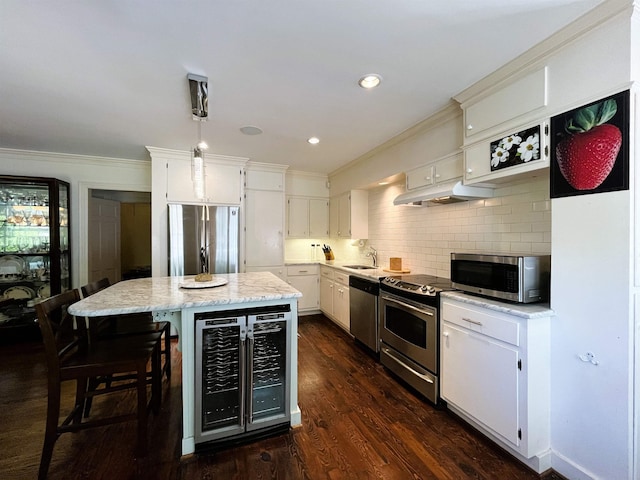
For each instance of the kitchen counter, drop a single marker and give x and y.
(164, 297)
(370, 273)
(160, 294)
(531, 310)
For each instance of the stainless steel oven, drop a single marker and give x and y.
(409, 325)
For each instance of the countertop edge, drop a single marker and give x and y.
(536, 310)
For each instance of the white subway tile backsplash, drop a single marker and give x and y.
(516, 219)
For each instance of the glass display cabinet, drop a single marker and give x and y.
(34, 250)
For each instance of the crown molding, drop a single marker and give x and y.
(70, 158)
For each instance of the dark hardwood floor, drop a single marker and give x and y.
(357, 423)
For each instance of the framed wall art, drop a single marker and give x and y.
(515, 149)
(590, 148)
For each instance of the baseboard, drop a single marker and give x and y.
(570, 469)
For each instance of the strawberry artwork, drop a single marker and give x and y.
(587, 155)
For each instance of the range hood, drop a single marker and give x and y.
(450, 192)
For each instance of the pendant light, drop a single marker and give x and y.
(198, 89)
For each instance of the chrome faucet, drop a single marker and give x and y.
(374, 256)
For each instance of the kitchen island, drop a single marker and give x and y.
(167, 300)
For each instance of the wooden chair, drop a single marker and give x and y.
(70, 357)
(132, 324)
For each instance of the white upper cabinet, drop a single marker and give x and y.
(265, 179)
(505, 107)
(223, 182)
(307, 217)
(439, 171)
(349, 215)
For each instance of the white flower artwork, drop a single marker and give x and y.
(515, 149)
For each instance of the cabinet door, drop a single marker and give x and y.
(265, 180)
(448, 169)
(344, 216)
(477, 162)
(326, 295)
(479, 375)
(420, 177)
(341, 305)
(318, 218)
(179, 182)
(297, 217)
(308, 285)
(334, 204)
(223, 183)
(523, 96)
(264, 215)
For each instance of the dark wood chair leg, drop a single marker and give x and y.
(51, 431)
(156, 380)
(141, 448)
(81, 400)
(92, 385)
(167, 355)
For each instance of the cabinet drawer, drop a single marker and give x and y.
(298, 270)
(326, 272)
(481, 320)
(341, 278)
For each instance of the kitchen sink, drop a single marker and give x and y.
(360, 267)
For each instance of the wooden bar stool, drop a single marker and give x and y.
(122, 326)
(69, 356)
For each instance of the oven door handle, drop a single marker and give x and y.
(406, 305)
(391, 355)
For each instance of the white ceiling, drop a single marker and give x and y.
(108, 77)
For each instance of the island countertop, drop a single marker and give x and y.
(165, 294)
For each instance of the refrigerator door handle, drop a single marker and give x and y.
(243, 378)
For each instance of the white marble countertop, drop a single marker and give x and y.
(525, 310)
(164, 294)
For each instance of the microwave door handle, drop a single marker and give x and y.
(411, 307)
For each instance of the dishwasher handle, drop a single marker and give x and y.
(372, 288)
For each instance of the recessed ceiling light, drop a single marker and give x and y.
(314, 140)
(251, 130)
(371, 80)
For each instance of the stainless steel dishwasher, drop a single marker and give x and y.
(363, 311)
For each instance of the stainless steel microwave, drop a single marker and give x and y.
(516, 278)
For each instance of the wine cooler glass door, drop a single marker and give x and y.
(220, 377)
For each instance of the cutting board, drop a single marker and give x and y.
(396, 271)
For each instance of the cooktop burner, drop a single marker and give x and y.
(428, 285)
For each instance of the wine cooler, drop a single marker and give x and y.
(242, 373)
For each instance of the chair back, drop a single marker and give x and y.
(94, 287)
(61, 334)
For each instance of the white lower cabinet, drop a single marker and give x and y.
(334, 296)
(495, 374)
(305, 278)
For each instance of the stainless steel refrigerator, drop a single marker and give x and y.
(203, 239)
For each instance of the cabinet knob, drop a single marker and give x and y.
(469, 170)
(445, 334)
(427, 178)
(437, 175)
(469, 127)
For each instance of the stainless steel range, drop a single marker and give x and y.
(409, 329)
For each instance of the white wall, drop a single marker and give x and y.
(83, 173)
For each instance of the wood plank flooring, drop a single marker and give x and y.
(358, 423)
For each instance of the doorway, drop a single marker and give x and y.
(119, 235)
